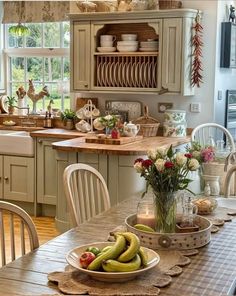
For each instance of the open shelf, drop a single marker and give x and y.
(127, 53)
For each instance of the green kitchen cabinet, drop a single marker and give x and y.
(46, 171)
(17, 178)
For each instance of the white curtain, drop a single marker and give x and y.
(35, 11)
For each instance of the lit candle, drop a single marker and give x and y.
(146, 215)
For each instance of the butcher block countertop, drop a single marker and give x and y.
(57, 133)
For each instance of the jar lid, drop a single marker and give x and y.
(175, 111)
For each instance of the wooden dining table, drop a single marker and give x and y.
(211, 272)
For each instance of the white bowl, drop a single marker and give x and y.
(129, 37)
(147, 49)
(149, 44)
(127, 42)
(73, 259)
(106, 49)
(127, 48)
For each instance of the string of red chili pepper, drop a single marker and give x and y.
(196, 77)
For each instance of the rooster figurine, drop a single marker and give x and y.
(35, 97)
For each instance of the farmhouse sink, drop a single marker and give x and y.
(16, 142)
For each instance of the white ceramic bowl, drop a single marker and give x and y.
(129, 37)
(127, 43)
(149, 44)
(106, 49)
(73, 259)
(127, 47)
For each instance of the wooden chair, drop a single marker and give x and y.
(204, 132)
(24, 224)
(86, 192)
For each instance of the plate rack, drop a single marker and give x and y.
(135, 70)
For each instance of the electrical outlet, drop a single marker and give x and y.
(163, 106)
(195, 107)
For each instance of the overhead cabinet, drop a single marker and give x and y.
(165, 69)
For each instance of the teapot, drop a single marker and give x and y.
(131, 129)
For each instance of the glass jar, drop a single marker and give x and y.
(146, 214)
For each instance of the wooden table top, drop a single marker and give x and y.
(211, 272)
(135, 148)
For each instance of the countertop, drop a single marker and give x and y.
(76, 143)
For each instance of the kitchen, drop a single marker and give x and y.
(215, 79)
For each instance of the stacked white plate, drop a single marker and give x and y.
(148, 46)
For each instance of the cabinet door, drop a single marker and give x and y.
(81, 56)
(46, 172)
(172, 54)
(19, 178)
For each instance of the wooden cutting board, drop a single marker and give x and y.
(110, 141)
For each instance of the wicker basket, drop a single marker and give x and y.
(173, 241)
(148, 125)
(169, 4)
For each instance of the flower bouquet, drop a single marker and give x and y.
(166, 172)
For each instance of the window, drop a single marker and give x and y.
(43, 56)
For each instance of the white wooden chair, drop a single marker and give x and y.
(86, 192)
(19, 221)
(204, 132)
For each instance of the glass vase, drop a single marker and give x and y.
(165, 211)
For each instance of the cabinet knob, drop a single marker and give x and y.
(86, 85)
(6, 178)
(40, 141)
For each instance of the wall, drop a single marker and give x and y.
(205, 94)
(224, 78)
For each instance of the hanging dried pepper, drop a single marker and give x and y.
(196, 77)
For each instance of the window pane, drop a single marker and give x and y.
(53, 69)
(13, 42)
(35, 68)
(66, 101)
(66, 74)
(51, 35)
(66, 32)
(17, 69)
(35, 37)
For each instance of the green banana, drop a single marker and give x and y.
(134, 244)
(113, 253)
(144, 227)
(115, 266)
(104, 250)
(144, 256)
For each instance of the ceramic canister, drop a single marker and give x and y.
(174, 129)
(175, 116)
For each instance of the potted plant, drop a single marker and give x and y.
(68, 116)
(11, 102)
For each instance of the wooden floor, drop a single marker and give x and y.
(45, 228)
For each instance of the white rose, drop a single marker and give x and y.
(108, 117)
(161, 151)
(193, 164)
(196, 154)
(138, 166)
(180, 159)
(160, 164)
(152, 154)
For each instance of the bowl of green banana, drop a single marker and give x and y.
(118, 261)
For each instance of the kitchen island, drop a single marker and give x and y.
(114, 162)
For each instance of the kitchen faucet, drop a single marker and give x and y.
(230, 159)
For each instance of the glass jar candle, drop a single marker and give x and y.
(146, 214)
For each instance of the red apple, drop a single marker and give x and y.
(86, 258)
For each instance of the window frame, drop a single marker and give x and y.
(25, 52)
